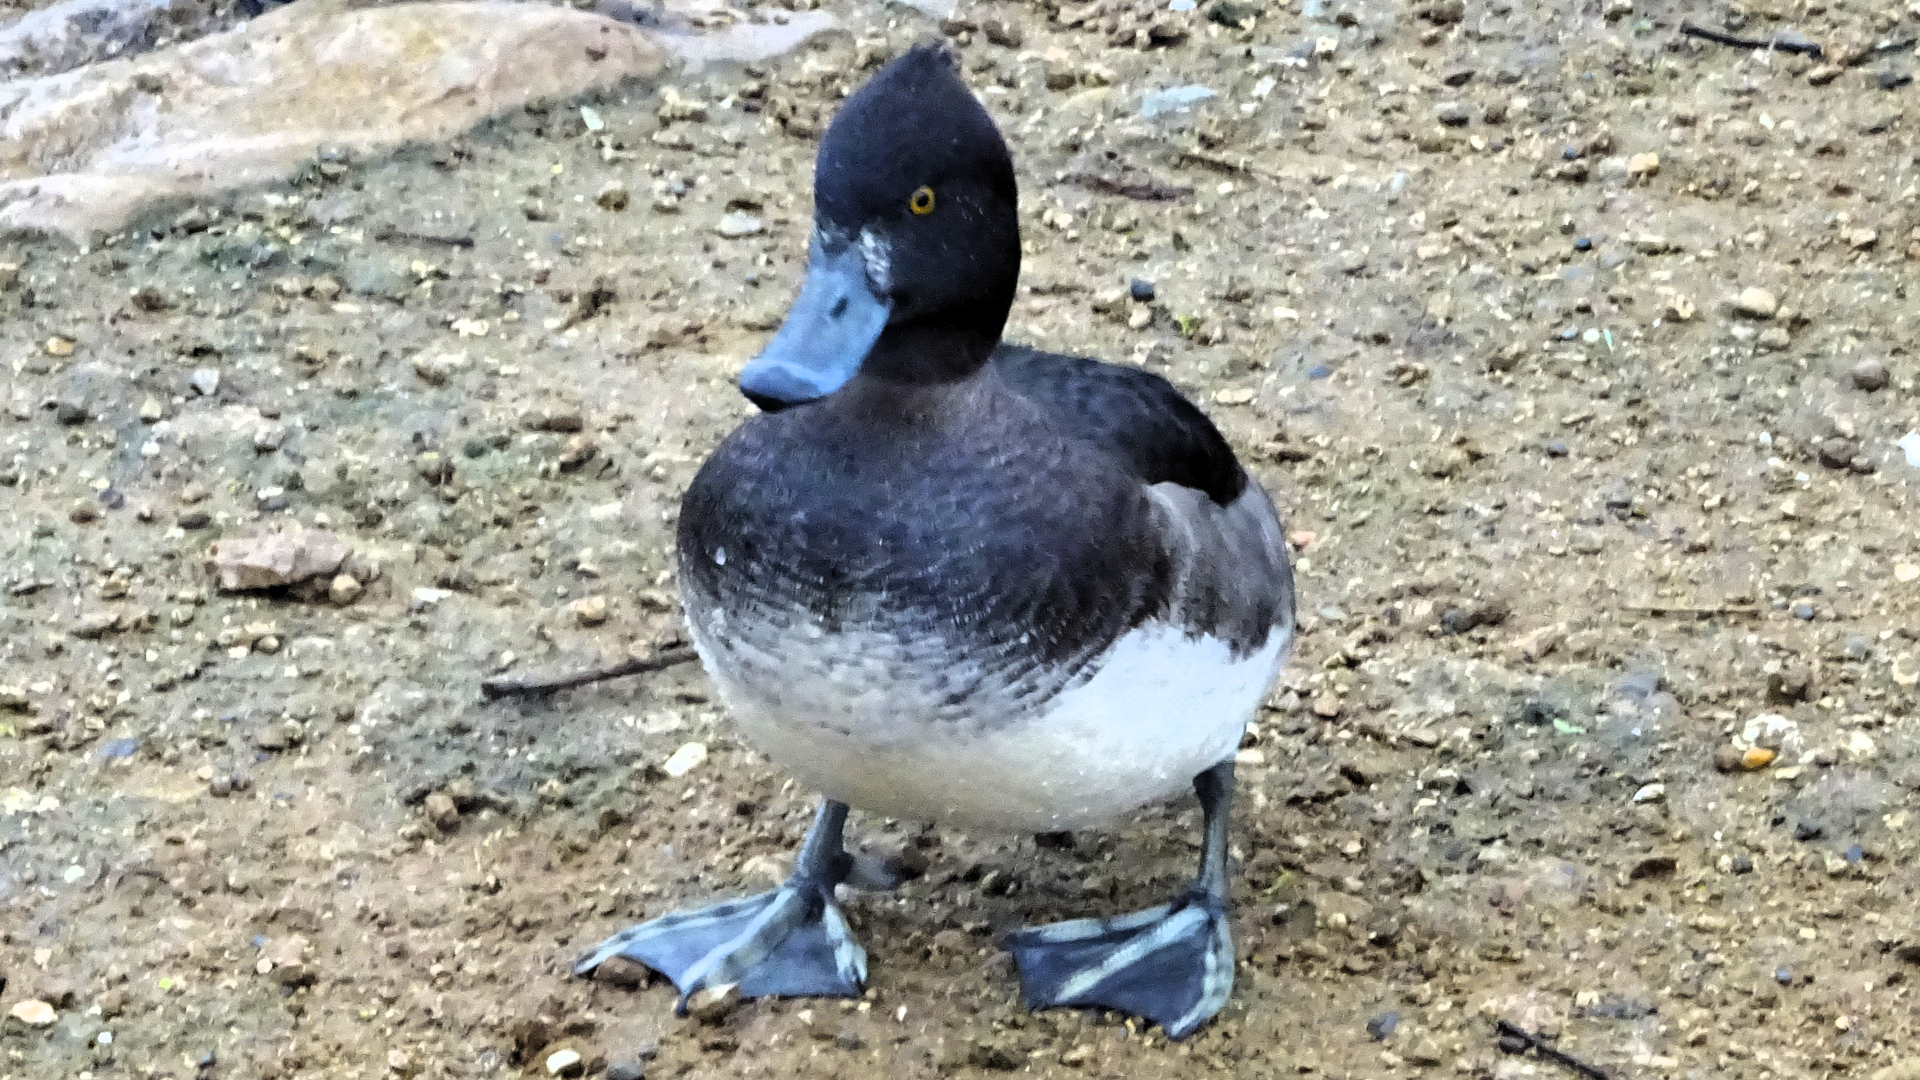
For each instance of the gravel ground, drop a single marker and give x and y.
(1576, 351)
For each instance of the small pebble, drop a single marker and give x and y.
(1653, 866)
(623, 973)
(205, 381)
(577, 452)
(1835, 453)
(1002, 33)
(590, 610)
(344, 589)
(740, 224)
(33, 1012)
(1804, 830)
(1141, 290)
(685, 760)
(1871, 375)
(442, 811)
(1583, 244)
(711, 1006)
(565, 1062)
(273, 738)
(1756, 303)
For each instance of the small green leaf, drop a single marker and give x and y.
(1565, 728)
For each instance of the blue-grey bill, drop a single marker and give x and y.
(827, 333)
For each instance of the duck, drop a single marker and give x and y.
(943, 578)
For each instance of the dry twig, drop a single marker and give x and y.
(494, 689)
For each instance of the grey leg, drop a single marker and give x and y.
(1172, 964)
(791, 942)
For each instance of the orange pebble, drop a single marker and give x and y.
(1756, 758)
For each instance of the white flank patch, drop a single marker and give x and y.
(1163, 707)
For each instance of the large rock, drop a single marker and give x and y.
(86, 151)
(69, 33)
(277, 559)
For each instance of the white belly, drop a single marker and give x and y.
(1161, 708)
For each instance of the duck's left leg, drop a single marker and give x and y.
(1172, 964)
(791, 942)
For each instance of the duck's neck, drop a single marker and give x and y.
(930, 351)
(880, 399)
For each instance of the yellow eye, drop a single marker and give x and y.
(921, 201)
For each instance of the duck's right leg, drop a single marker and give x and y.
(791, 942)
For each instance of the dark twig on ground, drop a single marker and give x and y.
(1540, 1046)
(1885, 48)
(1143, 189)
(388, 236)
(494, 689)
(1692, 609)
(1807, 47)
(1220, 163)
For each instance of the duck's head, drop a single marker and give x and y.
(916, 241)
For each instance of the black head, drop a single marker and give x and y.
(916, 234)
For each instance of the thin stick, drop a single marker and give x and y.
(390, 235)
(1148, 190)
(1218, 163)
(1885, 48)
(1775, 44)
(1559, 1057)
(494, 689)
(1693, 609)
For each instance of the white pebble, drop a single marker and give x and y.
(685, 760)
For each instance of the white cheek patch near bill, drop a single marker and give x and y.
(879, 264)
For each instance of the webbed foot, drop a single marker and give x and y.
(1171, 964)
(791, 942)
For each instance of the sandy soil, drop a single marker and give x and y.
(1575, 510)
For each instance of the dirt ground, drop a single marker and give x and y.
(1575, 350)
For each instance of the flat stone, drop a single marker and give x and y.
(739, 224)
(372, 78)
(1755, 303)
(276, 559)
(33, 1012)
